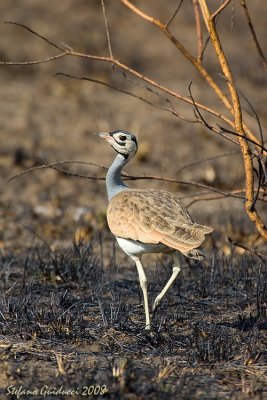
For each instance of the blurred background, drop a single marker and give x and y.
(53, 118)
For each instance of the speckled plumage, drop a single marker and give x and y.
(148, 221)
(154, 216)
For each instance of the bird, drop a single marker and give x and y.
(148, 220)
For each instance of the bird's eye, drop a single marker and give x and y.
(122, 138)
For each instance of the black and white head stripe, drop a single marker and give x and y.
(120, 136)
(123, 142)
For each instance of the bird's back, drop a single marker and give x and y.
(154, 216)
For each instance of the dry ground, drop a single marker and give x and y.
(64, 322)
(71, 314)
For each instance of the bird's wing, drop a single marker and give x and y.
(154, 216)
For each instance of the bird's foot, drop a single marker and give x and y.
(153, 337)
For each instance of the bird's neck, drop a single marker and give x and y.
(113, 180)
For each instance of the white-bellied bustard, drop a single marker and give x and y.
(148, 221)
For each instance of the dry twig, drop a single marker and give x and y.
(198, 31)
(107, 29)
(70, 52)
(194, 61)
(239, 127)
(261, 256)
(253, 33)
(54, 165)
(131, 94)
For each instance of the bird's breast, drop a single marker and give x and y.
(135, 248)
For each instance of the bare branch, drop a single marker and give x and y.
(195, 163)
(262, 175)
(198, 30)
(220, 9)
(107, 28)
(232, 103)
(148, 88)
(198, 199)
(174, 14)
(131, 71)
(261, 256)
(253, 33)
(194, 61)
(255, 114)
(239, 127)
(168, 109)
(258, 189)
(42, 61)
(237, 193)
(202, 120)
(45, 39)
(242, 136)
(123, 67)
(143, 15)
(206, 196)
(45, 165)
(54, 165)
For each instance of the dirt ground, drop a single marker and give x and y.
(71, 314)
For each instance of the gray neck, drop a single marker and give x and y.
(113, 180)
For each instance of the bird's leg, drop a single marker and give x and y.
(143, 284)
(175, 271)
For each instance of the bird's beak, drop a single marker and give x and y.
(103, 135)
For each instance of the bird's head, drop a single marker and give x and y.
(123, 142)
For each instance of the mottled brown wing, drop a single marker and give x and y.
(152, 216)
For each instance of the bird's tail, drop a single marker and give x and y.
(194, 253)
(205, 229)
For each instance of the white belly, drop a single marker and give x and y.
(133, 248)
